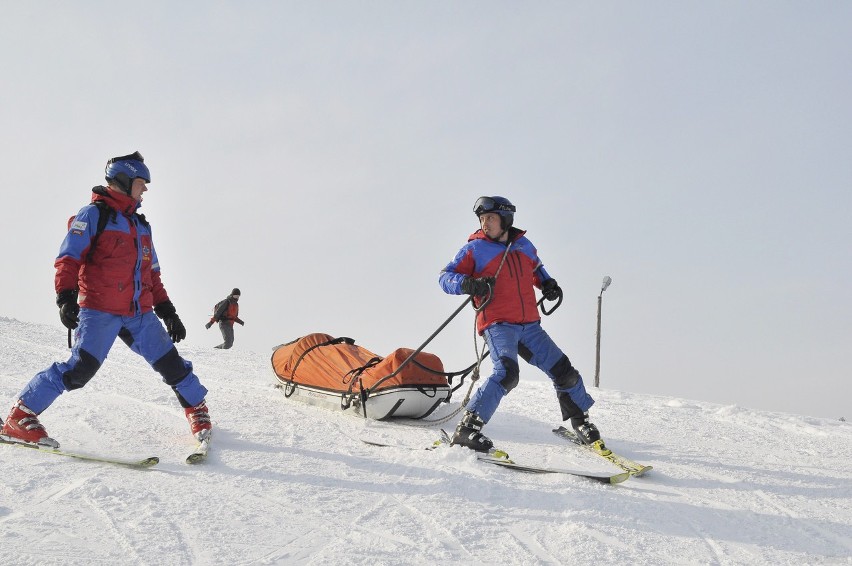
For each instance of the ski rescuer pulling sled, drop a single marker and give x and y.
(500, 268)
(108, 285)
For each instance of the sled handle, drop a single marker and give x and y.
(487, 300)
(544, 310)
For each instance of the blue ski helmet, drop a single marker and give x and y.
(500, 205)
(122, 170)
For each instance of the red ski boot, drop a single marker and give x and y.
(23, 425)
(199, 421)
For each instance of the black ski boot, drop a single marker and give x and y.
(586, 431)
(469, 433)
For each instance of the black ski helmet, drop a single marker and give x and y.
(500, 205)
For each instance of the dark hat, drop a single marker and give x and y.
(235, 291)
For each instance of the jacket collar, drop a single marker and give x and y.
(122, 203)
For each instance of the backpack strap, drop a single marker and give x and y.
(105, 213)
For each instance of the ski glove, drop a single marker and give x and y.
(477, 286)
(174, 327)
(550, 290)
(69, 310)
(240, 322)
(208, 325)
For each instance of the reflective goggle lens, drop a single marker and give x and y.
(488, 204)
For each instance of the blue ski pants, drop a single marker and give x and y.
(94, 337)
(506, 342)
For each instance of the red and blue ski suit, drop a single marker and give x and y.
(119, 284)
(510, 322)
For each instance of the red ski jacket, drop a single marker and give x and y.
(519, 274)
(123, 275)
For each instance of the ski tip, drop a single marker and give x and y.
(195, 458)
(499, 454)
(618, 478)
(148, 462)
(641, 471)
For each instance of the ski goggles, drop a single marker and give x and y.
(488, 204)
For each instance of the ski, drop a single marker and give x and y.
(391, 444)
(387, 444)
(600, 449)
(139, 464)
(200, 453)
(602, 477)
(501, 458)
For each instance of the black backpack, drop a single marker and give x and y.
(219, 305)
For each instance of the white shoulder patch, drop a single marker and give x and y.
(79, 225)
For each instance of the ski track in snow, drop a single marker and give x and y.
(288, 483)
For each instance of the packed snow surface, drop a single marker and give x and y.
(288, 483)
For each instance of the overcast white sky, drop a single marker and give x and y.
(325, 156)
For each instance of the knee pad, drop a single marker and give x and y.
(82, 372)
(564, 374)
(171, 367)
(510, 381)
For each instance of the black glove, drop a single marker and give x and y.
(550, 290)
(174, 327)
(240, 322)
(68, 308)
(208, 325)
(477, 286)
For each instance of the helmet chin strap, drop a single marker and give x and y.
(503, 227)
(123, 183)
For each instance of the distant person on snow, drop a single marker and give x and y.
(499, 263)
(226, 313)
(108, 285)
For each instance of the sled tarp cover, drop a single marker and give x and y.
(330, 366)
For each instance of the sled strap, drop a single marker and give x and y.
(352, 377)
(342, 339)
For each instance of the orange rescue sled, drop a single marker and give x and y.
(335, 373)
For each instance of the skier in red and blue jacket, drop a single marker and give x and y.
(500, 268)
(108, 285)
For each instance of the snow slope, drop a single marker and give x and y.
(291, 484)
